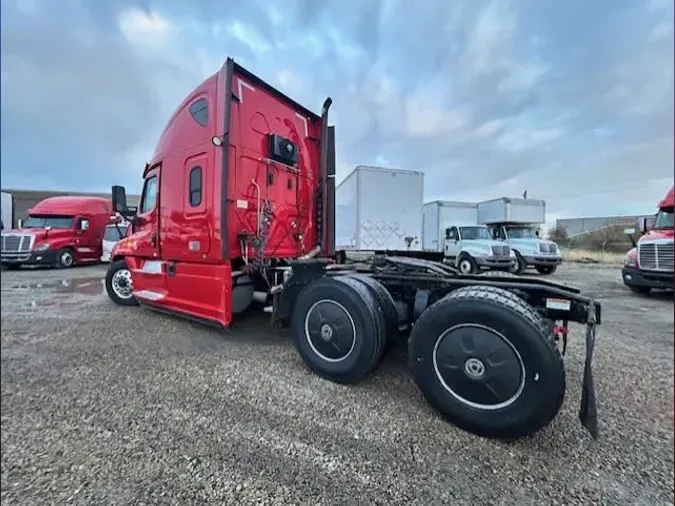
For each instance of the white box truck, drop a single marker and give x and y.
(452, 227)
(7, 211)
(516, 222)
(378, 209)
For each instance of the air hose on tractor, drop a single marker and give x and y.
(257, 262)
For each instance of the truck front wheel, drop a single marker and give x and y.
(65, 258)
(546, 269)
(519, 266)
(118, 284)
(485, 360)
(641, 290)
(466, 264)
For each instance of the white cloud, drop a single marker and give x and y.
(492, 33)
(522, 139)
(521, 76)
(144, 29)
(489, 128)
(249, 36)
(661, 30)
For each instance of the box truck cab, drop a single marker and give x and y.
(471, 248)
(516, 222)
(238, 205)
(451, 227)
(649, 264)
(58, 232)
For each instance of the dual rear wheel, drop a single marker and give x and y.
(481, 355)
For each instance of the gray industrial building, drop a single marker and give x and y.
(23, 200)
(578, 226)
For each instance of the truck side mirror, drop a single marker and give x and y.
(629, 232)
(536, 232)
(119, 199)
(84, 225)
(447, 233)
(642, 225)
(19, 223)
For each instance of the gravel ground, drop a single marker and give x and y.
(105, 405)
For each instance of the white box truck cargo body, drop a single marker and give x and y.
(7, 211)
(441, 214)
(377, 208)
(512, 210)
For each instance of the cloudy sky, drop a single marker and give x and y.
(570, 100)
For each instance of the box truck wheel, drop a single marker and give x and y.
(65, 258)
(337, 328)
(466, 264)
(118, 284)
(388, 306)
(485, 360)
(520, 265)
(546, 269)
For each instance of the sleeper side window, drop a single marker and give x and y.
(195, 190)
(149, 195)
(199, 110)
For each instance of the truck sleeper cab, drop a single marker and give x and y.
(472, 248)
(649, 264)
(58, 232)
(238, 205)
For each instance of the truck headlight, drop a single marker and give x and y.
(42, 247)
(629, 261)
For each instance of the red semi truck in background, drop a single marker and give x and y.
(59, 232)
(238, 205)
(649, 264)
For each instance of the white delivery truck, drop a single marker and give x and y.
(516, 222)
(452, 227)
(112, 235)
(379, 209)
(7, 211)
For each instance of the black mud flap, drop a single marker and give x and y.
(588, 412)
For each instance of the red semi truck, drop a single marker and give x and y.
(238, 205)
(649, 264)
(59, 232)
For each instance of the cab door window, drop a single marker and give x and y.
(149, 198)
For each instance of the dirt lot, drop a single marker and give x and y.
(104, 405)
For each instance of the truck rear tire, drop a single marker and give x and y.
(338, 328)
(118, 284)
(388, 306)
(466, 264)
(546, 269)
(485, 360)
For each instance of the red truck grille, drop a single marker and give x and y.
(16, 243)
(656, 257)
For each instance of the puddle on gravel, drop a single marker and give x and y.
(84, 286)
(56, 293)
